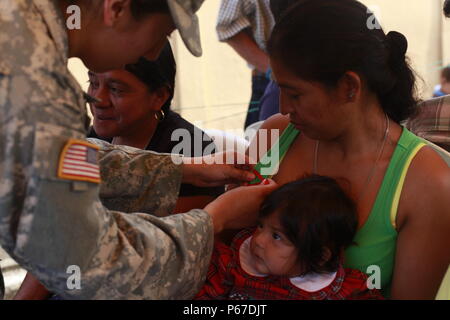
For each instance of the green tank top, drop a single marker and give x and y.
(375, 242)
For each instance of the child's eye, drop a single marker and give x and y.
(260, 225)
(276, 236)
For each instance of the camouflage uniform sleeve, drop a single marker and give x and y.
(134, 180)
(53, 226)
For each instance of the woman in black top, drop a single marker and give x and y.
(135, 111)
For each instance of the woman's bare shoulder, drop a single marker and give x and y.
(277, 121)
(428, 182)
(428, 163)
(264, 138)
(424, 228)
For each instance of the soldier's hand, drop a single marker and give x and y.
(239, 207)
(217, 169)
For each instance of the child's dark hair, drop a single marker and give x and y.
(317, 217)
(157, 74)
(321, 40)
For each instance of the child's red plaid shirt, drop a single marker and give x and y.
(227, 280)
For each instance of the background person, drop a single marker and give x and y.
(135, 111)
(443, 88)
(432, 121)
(246, 26)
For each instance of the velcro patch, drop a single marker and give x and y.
(78, 161)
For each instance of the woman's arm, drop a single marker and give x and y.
(423, 254)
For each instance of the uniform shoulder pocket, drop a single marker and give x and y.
(62, 154)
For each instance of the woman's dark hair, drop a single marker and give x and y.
(316, 216)
(279, 6)
(157, 74)
(320, 40)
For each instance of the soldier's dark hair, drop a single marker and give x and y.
(157, 74)
(447, 8)
(317, 217)
(141, 8)
(321, 40)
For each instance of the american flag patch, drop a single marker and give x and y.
(78, 161)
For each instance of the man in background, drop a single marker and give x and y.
(246, 26)
(443, 88)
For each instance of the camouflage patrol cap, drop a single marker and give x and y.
(186, 21)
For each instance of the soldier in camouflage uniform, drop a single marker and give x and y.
(49, 219)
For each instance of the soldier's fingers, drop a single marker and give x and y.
(246, 167)
(235, 175)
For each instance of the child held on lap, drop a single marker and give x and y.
(296, 250)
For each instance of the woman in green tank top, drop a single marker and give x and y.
(344, 90)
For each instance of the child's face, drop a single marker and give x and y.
(272, 252)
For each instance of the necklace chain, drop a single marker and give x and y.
(372, 171)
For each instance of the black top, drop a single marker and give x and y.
(162, 142)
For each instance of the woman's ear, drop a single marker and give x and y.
(159, 98)
(350, 86)
(115, 10)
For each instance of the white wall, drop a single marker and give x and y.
(212, 91)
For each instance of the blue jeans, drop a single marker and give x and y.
(270, 101)
(259, 84)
